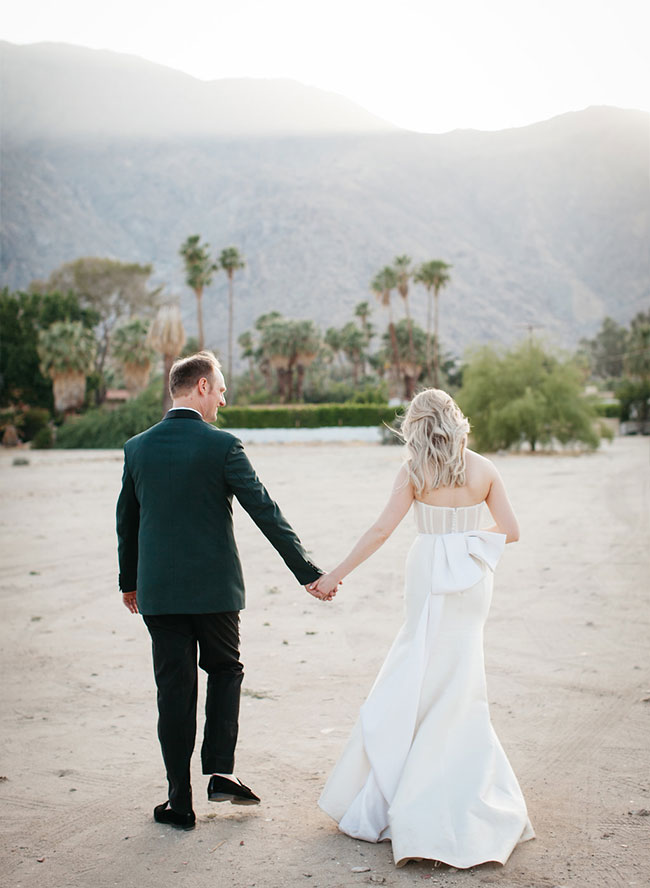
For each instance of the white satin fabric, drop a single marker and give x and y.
(423, 766)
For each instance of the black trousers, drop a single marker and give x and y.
(174, 640)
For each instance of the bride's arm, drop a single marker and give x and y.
(501, 510)
(376, 535)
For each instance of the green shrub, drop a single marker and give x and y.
(33, 420)
(347, 392)
(108, 428)
(43, 439)
(308, 416)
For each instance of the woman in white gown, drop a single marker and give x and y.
(423, 766)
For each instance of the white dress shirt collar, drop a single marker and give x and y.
(185, 408)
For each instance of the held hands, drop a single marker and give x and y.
(325, 587)
(129, 601)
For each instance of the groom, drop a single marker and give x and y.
(179, 568)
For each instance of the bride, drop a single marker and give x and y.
(423, 767)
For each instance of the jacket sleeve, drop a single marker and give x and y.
(253, 496)
(128, 524)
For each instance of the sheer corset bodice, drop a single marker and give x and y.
(447, 519)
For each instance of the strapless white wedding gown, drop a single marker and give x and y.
(423, 766)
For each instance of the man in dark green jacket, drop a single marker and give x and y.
(179, 568)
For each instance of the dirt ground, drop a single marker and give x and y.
(567, 649)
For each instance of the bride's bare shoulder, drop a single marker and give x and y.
(477, 463)
(473, 456)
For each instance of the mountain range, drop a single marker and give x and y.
(546, 226)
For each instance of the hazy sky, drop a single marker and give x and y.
(422, 64)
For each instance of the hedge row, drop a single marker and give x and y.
(306, 416)
(106, 428)
(610, 410)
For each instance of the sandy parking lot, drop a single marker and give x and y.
(567, 652)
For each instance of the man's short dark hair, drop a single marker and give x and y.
(186, 372)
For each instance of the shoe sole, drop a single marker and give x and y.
(176, 825)
(235, 800)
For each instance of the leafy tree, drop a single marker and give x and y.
(167, 337)
(634, 398)
(67, 351)
(114, 290)
(231, 261)
(22, 315)
(199, 272)
(433, 276)
(525, 394)
(633, 392)
(606, 351)
(131, 350)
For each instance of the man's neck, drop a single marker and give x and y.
(183, 405)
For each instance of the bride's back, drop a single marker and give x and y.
(479, 473)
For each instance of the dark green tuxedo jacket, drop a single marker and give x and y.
(174, 518)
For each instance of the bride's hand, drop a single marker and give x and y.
(325, 587)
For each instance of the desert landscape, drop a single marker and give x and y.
(566, 656)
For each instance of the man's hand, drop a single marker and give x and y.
(324, 588)
(130, 603)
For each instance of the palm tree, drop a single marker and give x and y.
(362, 311)
(637, 357)
(289, 345)
(276, 351)
(306, 341)
(167, 337)
(131, 350)
(261, 354)
(353, 344)
(67, 351)
(245, 342)
(404, 273)
(230, 261)
(199, 271)
(433, 275)
(382, 285)
(410, 370)
(333, 340)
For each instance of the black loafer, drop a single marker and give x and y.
(164, 814)
(220, 789)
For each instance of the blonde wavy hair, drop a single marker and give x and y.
(435, 433)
